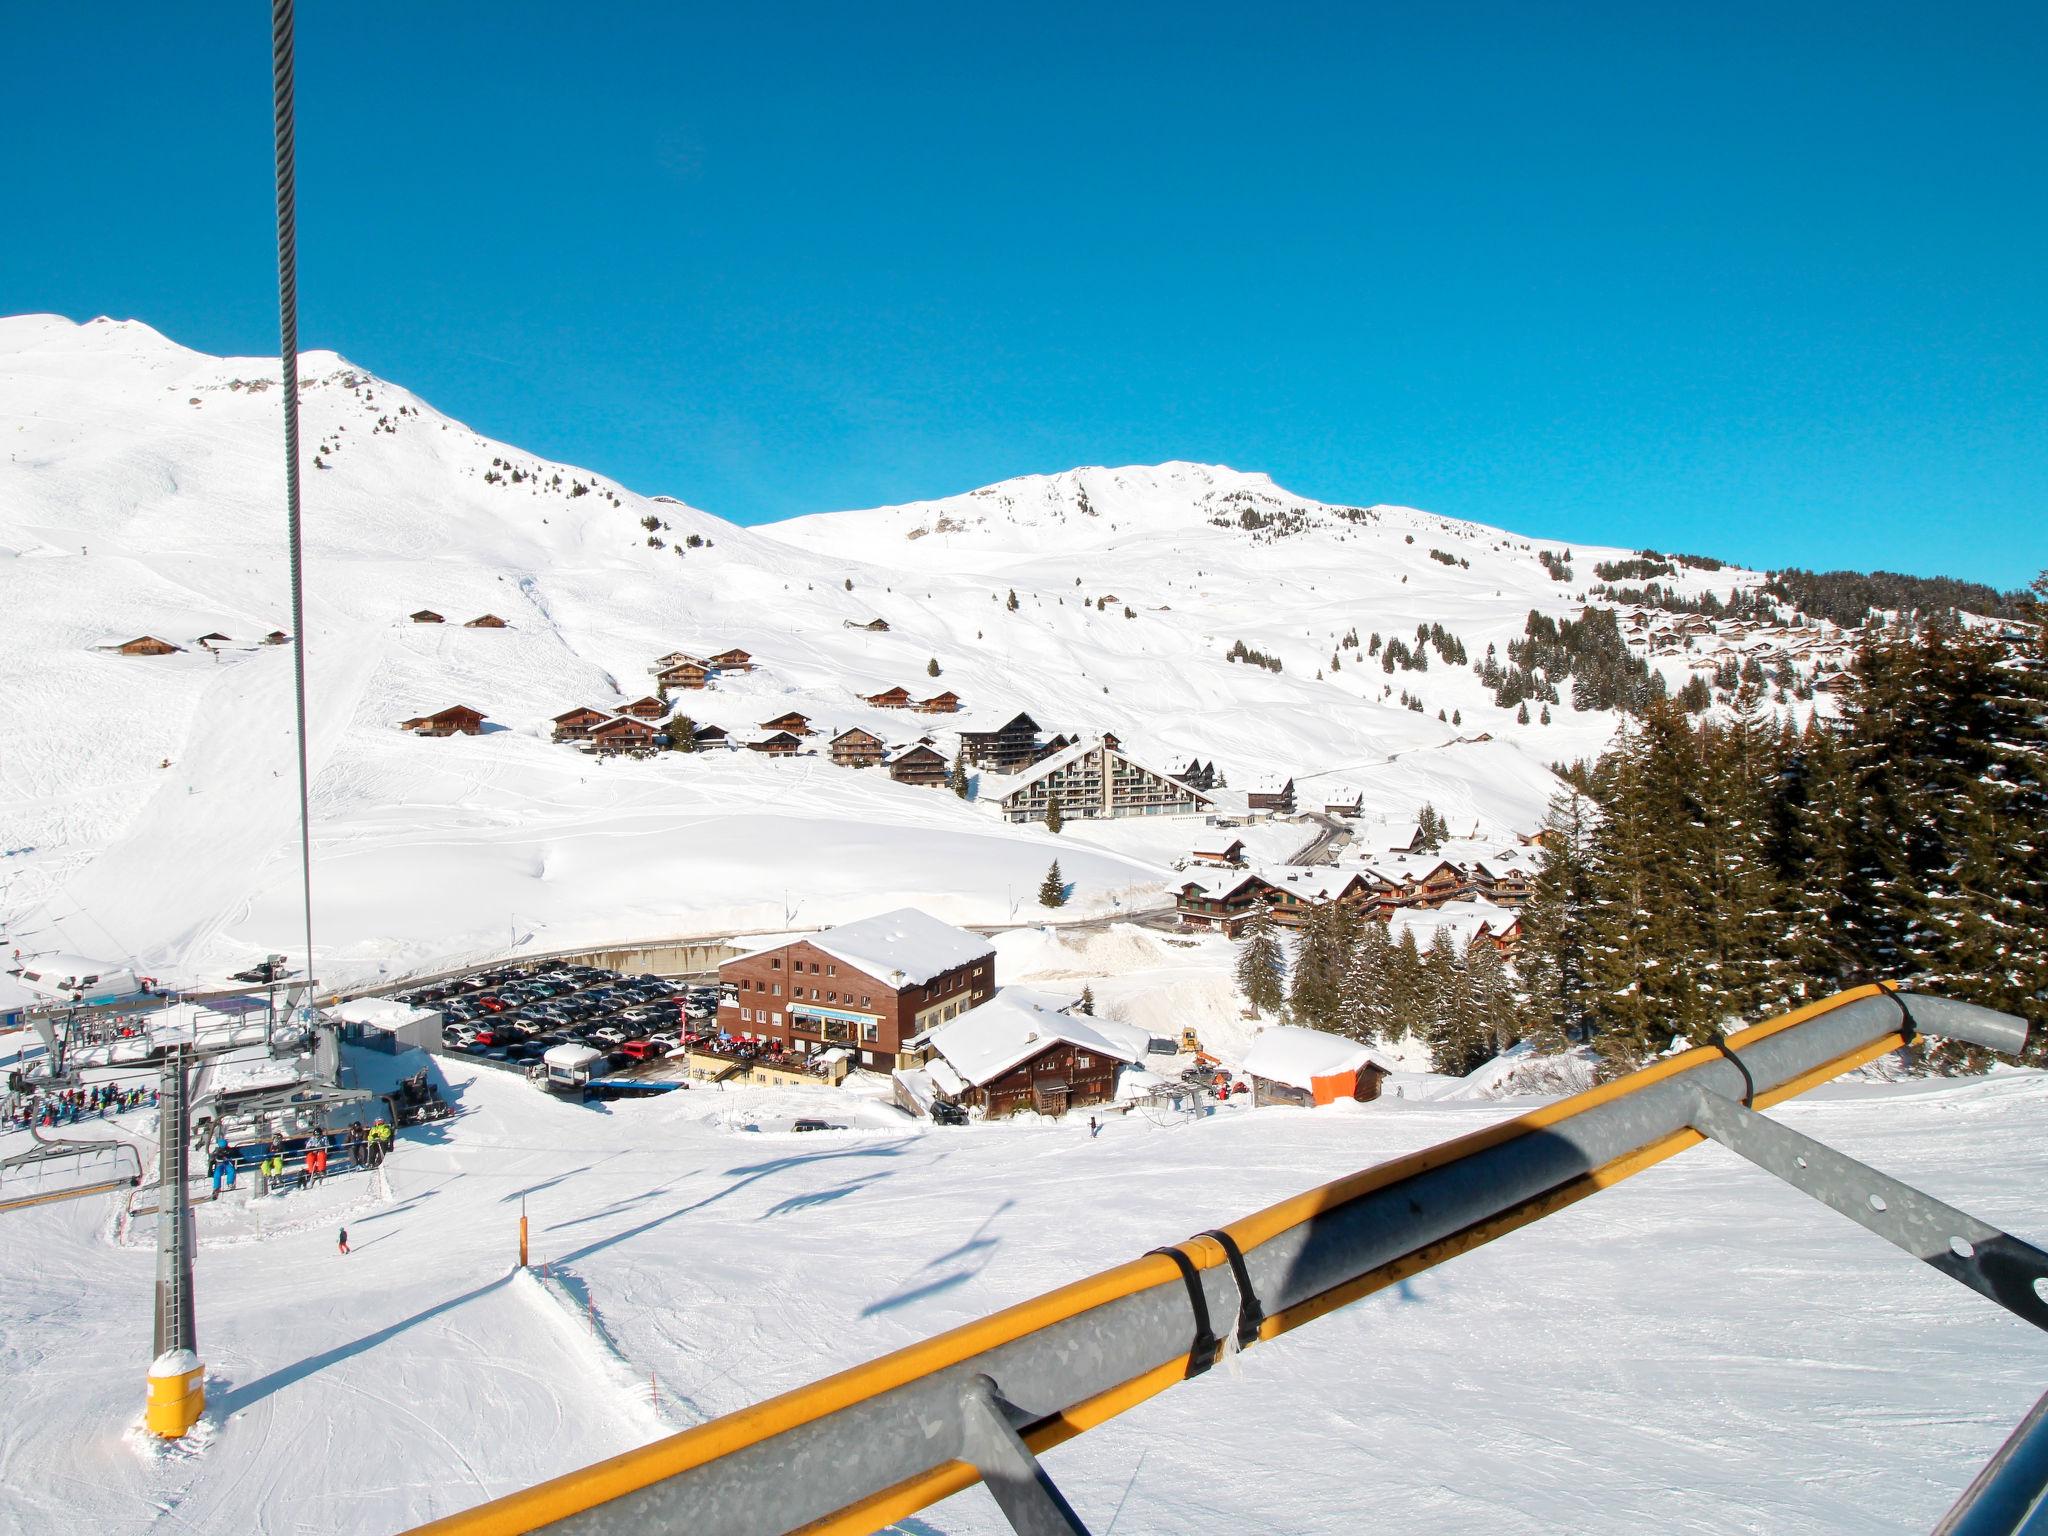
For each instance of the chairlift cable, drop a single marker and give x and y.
(288, 353)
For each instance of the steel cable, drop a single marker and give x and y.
(288, 354)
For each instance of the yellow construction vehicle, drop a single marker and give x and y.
(1190, 1041)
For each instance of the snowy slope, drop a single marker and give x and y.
(148, 805)
(1699, 1348)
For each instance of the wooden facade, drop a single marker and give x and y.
(1273, 797)
(707, 736)
(427, 616)
(487, 621)
(147, 645)
(1061, 1077)
(856, 748)
(920, 765)
(623, 735)
(456, 720)
(649, 708)
(684, 674)
(212, 640)
(781, 744)
(1008, 747)
(794, 723)
(810, 1000)
(947, 703)
(733, 661)
(577, 724)
(889, 698)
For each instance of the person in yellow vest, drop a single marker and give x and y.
(272, 1170)
(380, 1143)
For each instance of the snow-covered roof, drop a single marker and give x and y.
(906, 947)
(1012, 1027)
(571, 1058)
(1287, 1053)
(1053, 764)
(1460, 919)
(383, 1013)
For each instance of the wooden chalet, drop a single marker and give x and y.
(649, 708)
(214, 639)
(428, 616)
(1273, 795)
(622, 735)
(1347, 803)
(1510, 887)
(1229, 856)
(781, 744)
(1014, 1053)
(577, 724)
(733, 661)
(277, 637)
(487, 621)
(794, 723)
(712, 736)
(1442, 882)
(919, 764)
(684, 674)
(1288, 898)
(947, 703)
(889, 698)
(877, 626)
(1010, 746)
(1198, 774)
(1224, 908)
(456, 720)
(857, 749)
(146, 645)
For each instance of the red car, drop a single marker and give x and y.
(492, 1004)
(484, 1037)
(639, 1050)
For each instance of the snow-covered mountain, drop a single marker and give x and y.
(148, 804)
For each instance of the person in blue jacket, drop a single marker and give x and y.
(221, 1164)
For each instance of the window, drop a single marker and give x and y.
(775, 964)
(746, 1015)
(831, 970)
(814, 967)
(863, 999)
(870, 1032)
(1082, 1063)
(778, 1021)
(778, 989)
(831, 997)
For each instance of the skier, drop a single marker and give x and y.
(316, 1157)
(344, 1242)
(1094, 1128)
(221, 1164)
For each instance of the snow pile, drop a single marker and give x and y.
(1288, 1053)
(1522, 1072)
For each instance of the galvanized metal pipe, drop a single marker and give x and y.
(800, 1459)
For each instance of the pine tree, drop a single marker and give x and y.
(1087, 1003)
(956, 776)
(1052, 890)
(1321, 954)
(1365, 1009)
(1431, 827)
(1261, 966)
(1550, 961)
(681, 734)
(931, 668)
(1012, 603)
(1055, 818)
(1490, 997)
(1408, 1001)
(1444, 1018)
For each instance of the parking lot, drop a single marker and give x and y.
(509, 1016)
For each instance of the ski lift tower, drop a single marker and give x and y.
(177, 1387)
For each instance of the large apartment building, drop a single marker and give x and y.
(1095, 779)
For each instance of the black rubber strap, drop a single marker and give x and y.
(1748, 1083)
(1908, 1029)
(1249, 1313)
(1201, 1353)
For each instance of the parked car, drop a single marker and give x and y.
(610, 1033)
(665, 1042)
(816, 1125)
(638, 1050)
(944, 1113)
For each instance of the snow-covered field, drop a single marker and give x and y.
(1698, 1349)
(148, 804)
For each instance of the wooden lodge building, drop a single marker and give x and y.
(794, 723)
(1094, 779)
(146, 645)
(734, 660)
(487, 621)
(920, 764)
(649, 708)
(1229, 856)
(857, 748)
(577, 724)
(683, 673)
(709, 736)
(1227, 906)
(456, 720)
(1273, 795)
(1005, 749)
(1015, 1053)
(889, 698)
(211, 641)
(1198, 774)
(427, 616)
(781, 744)
(947, 703)
(622, 735)
(867, 986)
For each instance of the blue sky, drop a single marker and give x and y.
(1765, 281)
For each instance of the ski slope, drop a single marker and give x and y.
(147, 805)
(1697, 1349)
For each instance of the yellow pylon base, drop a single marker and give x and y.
(177, 1395)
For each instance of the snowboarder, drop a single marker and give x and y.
(344, 1242)
(1094, 1128)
